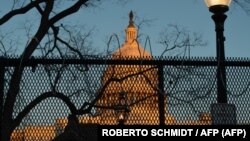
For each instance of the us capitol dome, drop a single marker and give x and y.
(139, 84)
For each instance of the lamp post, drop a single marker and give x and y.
(122, 109)
(218, 8)
(222, 113)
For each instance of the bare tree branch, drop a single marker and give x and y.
(22, 10)
(174, 38)
(74, 8)
(244, 4)
(38, 100)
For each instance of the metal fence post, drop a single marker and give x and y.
(161, 95)
(2, 71)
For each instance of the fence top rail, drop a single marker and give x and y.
(95, 60)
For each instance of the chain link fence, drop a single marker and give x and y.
(163, 91)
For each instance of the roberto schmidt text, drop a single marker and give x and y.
(147, 132)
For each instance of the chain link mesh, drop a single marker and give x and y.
(124, 91)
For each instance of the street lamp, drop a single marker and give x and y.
(222, 113)
(218, 8)
(122, 109)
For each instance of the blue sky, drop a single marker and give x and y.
(110, 17)
(191, 14)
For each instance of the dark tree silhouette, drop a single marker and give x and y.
(244, 4)
(49, 20)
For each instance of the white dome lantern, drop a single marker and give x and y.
(131, 47)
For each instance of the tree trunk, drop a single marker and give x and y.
(6, 131)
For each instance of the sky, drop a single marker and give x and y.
(112, 18)
(191, 14)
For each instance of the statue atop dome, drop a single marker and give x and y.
(131, 17)
(131, 31)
